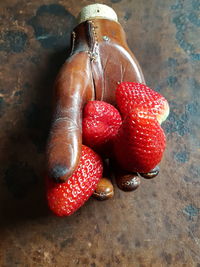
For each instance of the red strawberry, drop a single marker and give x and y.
(140, 143)
(129, 95)
(64, 199)
(101, 122)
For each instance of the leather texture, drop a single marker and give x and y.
(100, 59)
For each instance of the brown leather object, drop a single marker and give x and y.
(99, 60)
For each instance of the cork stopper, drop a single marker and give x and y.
(97, 11)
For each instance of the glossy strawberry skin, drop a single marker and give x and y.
(65, 198)
(140, 143)
(129, 95)
(101, 122)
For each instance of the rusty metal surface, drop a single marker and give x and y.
(157, 225)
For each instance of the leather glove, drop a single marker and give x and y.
(100, 59)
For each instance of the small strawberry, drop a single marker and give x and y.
(64, 199)
(101, 122)
(129, 95)
(140, 143)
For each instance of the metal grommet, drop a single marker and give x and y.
(106, 38)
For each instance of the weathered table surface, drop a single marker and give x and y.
(157, 225)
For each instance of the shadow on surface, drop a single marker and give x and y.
(22, 166)
(23, 194)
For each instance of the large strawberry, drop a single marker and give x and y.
(129, 95)
(141, 141)
(65, 198)
(101, 122)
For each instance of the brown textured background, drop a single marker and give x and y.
(158, 225)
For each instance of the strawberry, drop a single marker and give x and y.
(65, 198)
(101, 122)
(129, 95)
(140, 143)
